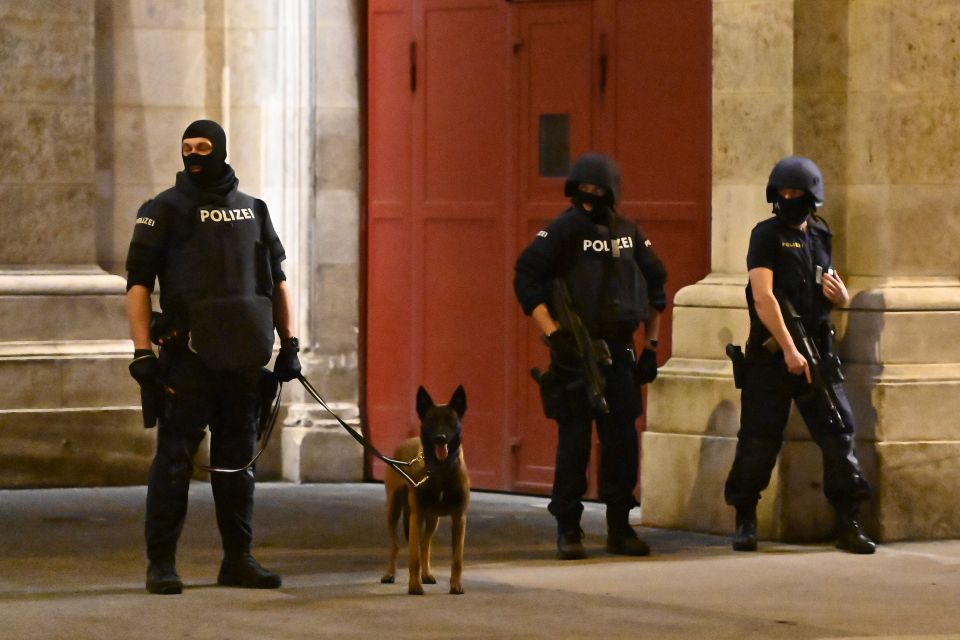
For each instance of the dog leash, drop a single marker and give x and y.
(395, 464)
(266, 438)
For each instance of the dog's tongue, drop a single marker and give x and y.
(441, 451)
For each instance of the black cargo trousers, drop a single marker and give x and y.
(768, 389)
(619, 443)
(229, 404)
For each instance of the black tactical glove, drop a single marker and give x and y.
(145, 369)
(564, 354)
(287, 366)
(647, 366)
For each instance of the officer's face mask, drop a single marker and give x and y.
(201, 161)
(593, 201)
(793, 211)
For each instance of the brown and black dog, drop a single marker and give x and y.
(446, 492)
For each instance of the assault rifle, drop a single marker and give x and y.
(821, 388)
(593, 353)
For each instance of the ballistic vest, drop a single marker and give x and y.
(610, 293)
(217, 282)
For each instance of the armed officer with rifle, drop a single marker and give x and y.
(789, 356)
(589, 279)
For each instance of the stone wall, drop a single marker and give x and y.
(865, 87)
(95, 96)
(65, 411)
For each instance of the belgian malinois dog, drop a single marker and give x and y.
(438, 456)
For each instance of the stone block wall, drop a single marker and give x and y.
(65, 416)
(867, 89)
(95, 95)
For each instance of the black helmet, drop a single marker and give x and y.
(596, 169)
(796, 172)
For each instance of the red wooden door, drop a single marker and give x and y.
(389, 322)
(475, 110)
(442, 286)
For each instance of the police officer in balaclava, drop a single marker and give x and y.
(791, 257)
(616, 283)
(223, 295)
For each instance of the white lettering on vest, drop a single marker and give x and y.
(603, 246)
(226, 215)
(150, 222)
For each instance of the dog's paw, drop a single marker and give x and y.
(428, 579)
(415, 590)
(387, 578)
(456, 588)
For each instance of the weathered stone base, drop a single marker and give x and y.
(74, 447)
(904, 393)
(69, 412)
(916, 489)
(684, 476)
(317, 449)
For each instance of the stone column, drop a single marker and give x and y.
(66, 415)
(693, 413)
(903, 221)
(860, 87)
(318, 147)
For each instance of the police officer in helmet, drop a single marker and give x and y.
(790, 256)
(222, 294)
(616, 283)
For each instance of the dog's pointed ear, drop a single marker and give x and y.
(458, 401)
(424, 402)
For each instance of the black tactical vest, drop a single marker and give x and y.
(610, 293)
(217, 283)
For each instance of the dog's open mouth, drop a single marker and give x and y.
(441, 451)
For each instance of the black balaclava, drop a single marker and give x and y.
(793, 211)
(601, 171)
(600, 212)
(213, 165)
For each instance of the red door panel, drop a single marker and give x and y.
(463, 312)
(388, 322)
(661, 94)
(446, 273)
(459, 192)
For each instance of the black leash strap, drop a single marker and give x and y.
(395, 464)
(266, 438)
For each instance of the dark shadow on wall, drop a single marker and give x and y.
(860, 332)
(706, 503)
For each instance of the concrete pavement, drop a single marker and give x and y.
(72, 566)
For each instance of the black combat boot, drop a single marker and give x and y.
(244, 571)
(745, 538)
(850, 536)
(621, 538)
(570, 542)
(162, 578)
